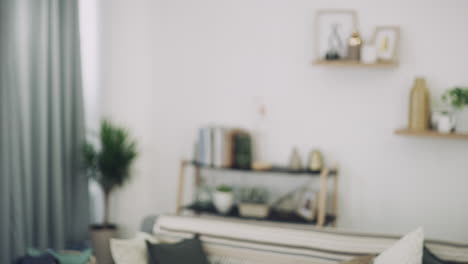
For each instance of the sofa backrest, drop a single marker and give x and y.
(265, 242)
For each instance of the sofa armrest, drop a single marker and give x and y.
(147, 224)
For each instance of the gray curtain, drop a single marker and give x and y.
(43, 195)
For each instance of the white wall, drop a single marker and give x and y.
(90, 63)
(171, 66)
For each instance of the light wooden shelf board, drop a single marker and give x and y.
(429, 133)
(349, 63)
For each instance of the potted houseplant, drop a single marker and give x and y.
(223, 199)
(254, 203)
(458, 98)
(109, 164)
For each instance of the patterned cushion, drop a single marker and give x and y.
(408, 250)
(361, 260)
(131, 251)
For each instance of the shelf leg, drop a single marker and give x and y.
(335, 195)
(180, 190)
(322, 200)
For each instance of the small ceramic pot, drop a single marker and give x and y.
(462, 121)
(444, 121)
(223, 201)
(368, 54)
(252, 210)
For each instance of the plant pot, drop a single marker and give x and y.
(462, 121)
(223, 201)
(252, 210)
(100, 239)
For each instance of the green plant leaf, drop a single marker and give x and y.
(110, 165)
(456, 97)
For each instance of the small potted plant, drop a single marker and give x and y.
(254, 203)
(110, 166)
(223, 199)
(458, 98)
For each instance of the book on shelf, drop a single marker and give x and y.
(218, 141)
(205, 146)
(215, 146)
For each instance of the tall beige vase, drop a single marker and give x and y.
(100, 239)
(419, 108)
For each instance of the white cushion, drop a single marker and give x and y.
(131, 251)
(408, 250)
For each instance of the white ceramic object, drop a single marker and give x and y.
(368, 54)
(462, 121)
(127, 251)
(443, 121)
(223, 201)
(445, 124)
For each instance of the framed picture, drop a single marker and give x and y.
(333, 29)
(307, 205)
(386, 40)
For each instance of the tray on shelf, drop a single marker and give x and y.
(274, 216)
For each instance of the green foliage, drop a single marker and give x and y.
(456, 97)
(110, 165)
(242, 151)
(224, 188)
(257, 195)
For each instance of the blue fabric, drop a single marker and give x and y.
(430, 258)
(63, 257)
(42, 259)
(43, 192)
(67, 258)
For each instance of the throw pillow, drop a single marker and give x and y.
(430, 258)
(360, 260)
(41, 259)
(408, 250)
(131, 251)
(64, 257)
(72, 257)
(188, 251)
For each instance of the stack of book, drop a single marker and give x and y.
(216, 146)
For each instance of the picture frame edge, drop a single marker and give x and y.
(397, 29)
(319, 12)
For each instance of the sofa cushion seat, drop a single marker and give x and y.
(276, 243)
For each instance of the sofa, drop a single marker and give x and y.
(236, 241)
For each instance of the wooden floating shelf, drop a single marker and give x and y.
(349, 63)
(273, 216)
(274, 169)
(430, 133)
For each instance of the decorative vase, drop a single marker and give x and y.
(461, 124)
(354, 46)
(315, 161)
(223, 201)
(419, 106)
(295, 162)
(100, 240)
